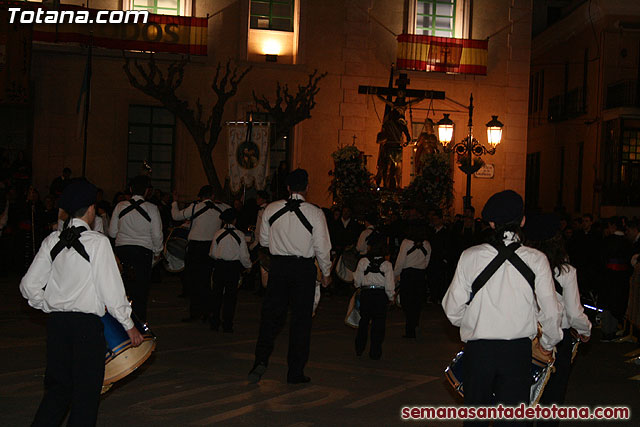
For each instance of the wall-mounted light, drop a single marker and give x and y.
(271, 47)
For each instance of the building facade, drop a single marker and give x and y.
(583, 151)
(355, 42)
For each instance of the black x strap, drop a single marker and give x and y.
(207, 205)
(137, 205)
(292, 205)
(70, 238)
(417, 246)
(374, 266)
(504, 253)
(558, 286)
(228, 232)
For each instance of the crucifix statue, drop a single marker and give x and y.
(395, 133)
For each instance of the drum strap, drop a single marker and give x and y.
(504, 253)
(558, 286)
(137, 205)
(70, 238)
(417, 246)
(292, 205)
(228, 232)
(207, 205)
(374, 266)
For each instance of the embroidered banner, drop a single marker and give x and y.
(248, 158)
(442, 54)
(161, 33)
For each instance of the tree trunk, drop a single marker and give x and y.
(210, 170)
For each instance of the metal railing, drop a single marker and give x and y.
(623, 94)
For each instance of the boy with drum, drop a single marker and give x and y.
(74, 276)
(494, 299)
(230, 253)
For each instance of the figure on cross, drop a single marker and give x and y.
(395, 131)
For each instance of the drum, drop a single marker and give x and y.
(352, 318)
(175, 249)
(121, 358)
(540, 374)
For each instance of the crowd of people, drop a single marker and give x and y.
(410, 259)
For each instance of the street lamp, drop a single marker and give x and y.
(470, 146)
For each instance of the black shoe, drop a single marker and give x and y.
(299, 380)
(375, 356)
(227, 330)
(214, 327)
(409, 336)
(256, 373)
(189, 319)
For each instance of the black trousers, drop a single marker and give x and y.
(412, 294)
(198, 266)
(225, 292)
(136, 262)
(75, 370)
(373, 309)
(556, 388)
(292, 283)
(500, 367)
(614, 292)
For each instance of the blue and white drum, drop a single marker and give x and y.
(540, 374)
(121, 358)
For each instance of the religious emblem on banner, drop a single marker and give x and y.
(248, 154)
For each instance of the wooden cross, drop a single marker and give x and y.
(401, 91)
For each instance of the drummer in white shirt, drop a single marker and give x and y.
(497, 308)
(410, 271)
(137, 228)
(374, 278)
(296, 234)
(543, 232)
(74, 276)
(230, 253)
(370, 222)
(205, 221)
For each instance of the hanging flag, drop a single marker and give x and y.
(248, 155)
(442, 54)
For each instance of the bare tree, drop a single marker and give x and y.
(205, 131)
(296, 107)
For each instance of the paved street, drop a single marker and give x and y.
(198, 377)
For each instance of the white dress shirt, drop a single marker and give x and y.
(505, 307)
(361, 246)
(204, 226)
(134, 229)
(416, 259)
(256, 232)
(228, 249)
(289, 237)
(572, 311)
(72, 284)
(375, 279)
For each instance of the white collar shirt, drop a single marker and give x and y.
(289, 237)
(72, 284)
(345, 222)
(572, 310)
(360, 279)
(134, 229)
(204, 226)
(505, 308)
(416, 259)
(256, 232)
(361, 246)
(229, 249)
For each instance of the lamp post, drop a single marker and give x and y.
(469, 146)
